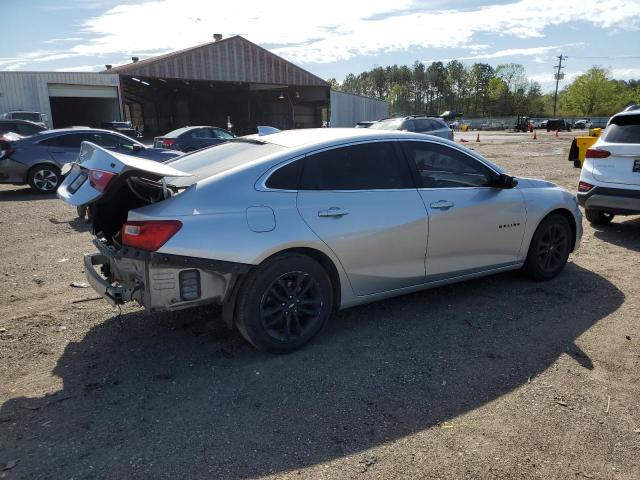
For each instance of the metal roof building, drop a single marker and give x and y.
(230, 83)
(225, 82)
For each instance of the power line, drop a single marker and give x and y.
(610, 57)
(559, 76)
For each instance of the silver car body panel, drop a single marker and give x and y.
(390, 242)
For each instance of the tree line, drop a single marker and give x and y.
(481, 90)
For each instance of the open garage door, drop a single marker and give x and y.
(83, 105)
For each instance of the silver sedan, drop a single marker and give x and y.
(285, 228)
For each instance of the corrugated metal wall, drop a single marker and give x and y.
(234, 59)
(29, 90)
(348, 109)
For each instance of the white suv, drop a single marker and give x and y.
(610, 179)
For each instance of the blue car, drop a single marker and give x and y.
(37, 160)
(188, 139)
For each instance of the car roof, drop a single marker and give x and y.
(311, 137)
(17, 120)
(628, 113)
(58, 131)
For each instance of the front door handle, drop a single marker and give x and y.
(442, 204)
(332, 212)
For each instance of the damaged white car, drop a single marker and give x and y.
(283, 229)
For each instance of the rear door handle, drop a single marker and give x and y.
(442, 204)
(332, 212)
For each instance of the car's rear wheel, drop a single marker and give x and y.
(598, 217)
(44, 178)
(549, 248)
(284, 303)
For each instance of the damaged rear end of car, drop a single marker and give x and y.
(130, 264)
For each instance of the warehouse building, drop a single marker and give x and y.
(66, 98)
(230, 83)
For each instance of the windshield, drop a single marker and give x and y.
(624, 129)
(392, 124)
(211, 161)
(31, 116)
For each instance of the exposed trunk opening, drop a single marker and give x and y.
(110, 213)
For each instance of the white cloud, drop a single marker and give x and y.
(335, 29)
(541, 54)
(547, 79)
(62, 40)
(625, 73)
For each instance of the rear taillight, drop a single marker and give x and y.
(149, 236)
(595, 153)
(584, 187)
(168, 143)
(99, 179)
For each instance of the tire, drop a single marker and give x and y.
(549, 248)
(577, 164)
(262, 315)
(44, 178)
(598, 217)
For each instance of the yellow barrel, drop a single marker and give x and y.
(579, 148)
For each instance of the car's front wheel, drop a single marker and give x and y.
(598, 217)
(549, 248)
(284, 303)
(44, 178)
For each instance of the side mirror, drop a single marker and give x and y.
(137, 148)
(505, 181)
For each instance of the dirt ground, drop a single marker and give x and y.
(497, 378)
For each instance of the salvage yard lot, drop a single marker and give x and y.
(498, 377)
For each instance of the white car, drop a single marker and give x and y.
(610, 178)
(582, 124)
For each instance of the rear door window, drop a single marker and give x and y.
(367, 166)
(26, 129)
(8, 127)
(106, 140)
(440, 166)
(285, 178)
(220, 133)
(625, 129)
(71, 140)
(423, 125)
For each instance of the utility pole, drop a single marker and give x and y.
(558, 76)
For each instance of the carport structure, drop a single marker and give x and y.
(231, 83)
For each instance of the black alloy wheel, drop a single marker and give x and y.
(284, 302)
(552, 248)
(291, 306)
(549, 248)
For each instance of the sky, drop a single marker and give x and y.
(331, 38)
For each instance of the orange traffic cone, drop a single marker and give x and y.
(557, 132)
(534, 135)
(478, 138)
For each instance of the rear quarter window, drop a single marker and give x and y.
(624, 130)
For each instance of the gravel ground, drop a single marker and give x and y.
(495, 378)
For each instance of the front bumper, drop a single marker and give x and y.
(614, 200)
(154, 280)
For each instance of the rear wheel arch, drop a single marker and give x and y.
(323, 259)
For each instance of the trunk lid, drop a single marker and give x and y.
(80, 188)
(622, 166)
